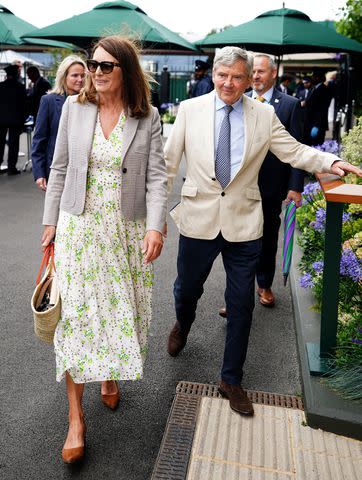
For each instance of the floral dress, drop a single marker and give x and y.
(105, 287)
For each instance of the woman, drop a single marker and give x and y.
(106, 201)
(68, 81)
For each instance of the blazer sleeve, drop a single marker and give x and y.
(175, 147)
(288, 150)
(296, 177)
(58, 170)
(40, 140)
(156, 179)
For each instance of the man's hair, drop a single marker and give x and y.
(271, 60)
(229, 55)
(33, 69)
(62, 72)
(135, 91)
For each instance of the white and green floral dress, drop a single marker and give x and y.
(105, 286)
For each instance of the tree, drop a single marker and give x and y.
(351, 23)
(218, 30)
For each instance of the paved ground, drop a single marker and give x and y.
(121, 444)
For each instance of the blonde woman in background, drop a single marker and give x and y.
(68, 81)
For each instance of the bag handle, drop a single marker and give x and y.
(48, 254)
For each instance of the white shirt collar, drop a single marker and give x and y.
(219, 104)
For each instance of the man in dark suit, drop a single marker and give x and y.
(12, 115)
(203, 83)
(283, 87)
(40, 87)
(316, 107)
(277, 181)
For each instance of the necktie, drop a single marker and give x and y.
(223, 161)
(261, 99)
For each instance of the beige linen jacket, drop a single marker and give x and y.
(144, 182)
(206, 209)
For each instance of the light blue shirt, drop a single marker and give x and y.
(267, 95)
(237, 134)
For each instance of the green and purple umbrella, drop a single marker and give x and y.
(289, 226)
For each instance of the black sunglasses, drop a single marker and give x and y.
(106, 67)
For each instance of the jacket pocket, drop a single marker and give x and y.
(253, 193)
(189, 191)
(70, 187)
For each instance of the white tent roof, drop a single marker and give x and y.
(9, 56)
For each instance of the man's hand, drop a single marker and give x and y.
(48, 236)
(152, 245)
(294, 196)
(42, 184)
(342, 168)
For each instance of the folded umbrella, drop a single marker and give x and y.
(289, 226)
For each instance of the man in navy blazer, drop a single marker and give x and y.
(45, 134)
(277, 181)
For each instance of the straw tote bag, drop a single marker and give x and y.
(46, 293)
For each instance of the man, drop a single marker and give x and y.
(12, 116)
(277, 180)
(203, 83)
(225, 136)
(316, 107)
(40, 87)
(283, 87)
(303, 93)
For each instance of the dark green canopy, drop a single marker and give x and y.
(12, 28)
(112, 18)
(283, 31)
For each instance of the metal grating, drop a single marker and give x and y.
(173, 456)
(175, 451)
(263, 398)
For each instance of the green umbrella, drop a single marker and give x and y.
(12, 28)
(283, 31)
(109, 18)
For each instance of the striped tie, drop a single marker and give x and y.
(223, 161)
(261, 99)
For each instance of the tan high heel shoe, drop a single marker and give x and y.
(73, 455)
(111, 400)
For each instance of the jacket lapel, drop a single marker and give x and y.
(129, 132)
(249, 126)
(276, 100)
(208, 119)
(88, 122)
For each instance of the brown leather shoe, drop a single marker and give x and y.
(239, 401)
(266, 297)
(111, 400)
(222, 312)
(176, 340)
(73, 455)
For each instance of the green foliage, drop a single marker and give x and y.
(167, 117)
(352, 149)
(351, 21)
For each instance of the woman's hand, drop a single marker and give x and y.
(48, 236)
(42, 184)
(152, 245)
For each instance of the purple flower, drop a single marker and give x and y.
(318, 266)
(320, 220)
(309, 192)
(346, 217)
(330, 146)
(350, 265)
(357, 340)
(306, 281)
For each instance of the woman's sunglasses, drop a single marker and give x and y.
(106, 67)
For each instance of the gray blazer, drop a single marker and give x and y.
(143, 194)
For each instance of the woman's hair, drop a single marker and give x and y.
(135, 91)
(62, 72)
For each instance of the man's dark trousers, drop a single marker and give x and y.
(194, 262)
(14, 138)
